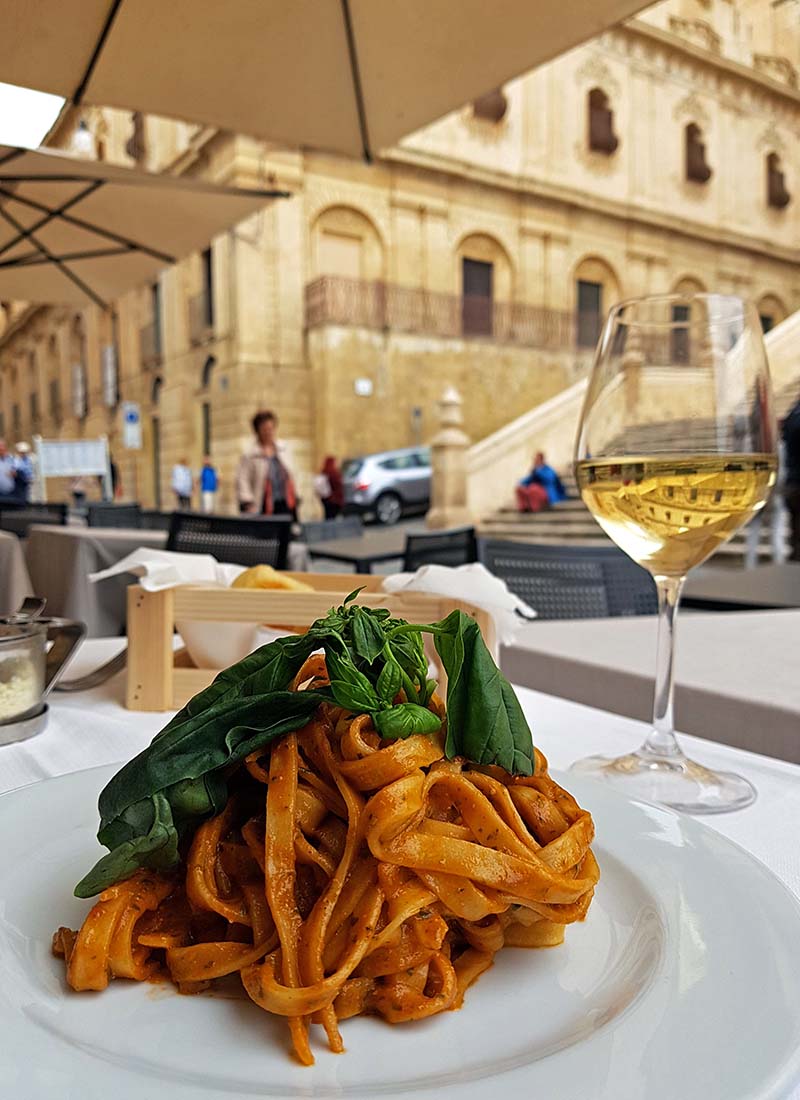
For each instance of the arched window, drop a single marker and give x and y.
(680, 345)
(596, 290)
(697, 167)
(205, 408)
(771, 311)
(346, 244)
(601, 136)
(486, 277)
(777, 194)
(155, 390)
(208, 370)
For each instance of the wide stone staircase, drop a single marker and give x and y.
(570, 523)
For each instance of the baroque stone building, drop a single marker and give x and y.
(481, 252)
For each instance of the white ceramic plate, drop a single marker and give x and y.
(681, 983)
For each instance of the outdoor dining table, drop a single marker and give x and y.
(763, 588)
(737, 676)
(15, 583)
(363, 551)
(60, 559)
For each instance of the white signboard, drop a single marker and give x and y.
(72, 458)
(131, 426)
(110, 388)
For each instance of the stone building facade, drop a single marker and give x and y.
(481, 252)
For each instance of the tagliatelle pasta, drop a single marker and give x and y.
(349, 875)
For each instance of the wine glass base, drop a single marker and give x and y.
(673, 781)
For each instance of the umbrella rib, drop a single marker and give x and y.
(87, 290)
(357, 86)
(31, 259)
(109, 234)
(12, 155)
(98, 49)
(93, 186)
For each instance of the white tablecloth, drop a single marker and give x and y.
(93, 728)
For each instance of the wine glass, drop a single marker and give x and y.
(676, 450)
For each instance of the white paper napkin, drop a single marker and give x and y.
(158, 569)
(473, 583)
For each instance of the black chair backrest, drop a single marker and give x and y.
(236, 539)
(572, 582)
(18, 519)
(455, 547)
(150, 519)
(322, 530)
(113, 515)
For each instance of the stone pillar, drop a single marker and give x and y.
(449, 466)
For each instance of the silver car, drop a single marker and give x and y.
(388, 484)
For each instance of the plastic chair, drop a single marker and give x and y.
(150, 519)
(455, 547)
(18, 518)
(113, 515)
(323, 530)
(242, 541)
(572, 582)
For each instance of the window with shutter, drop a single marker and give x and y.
(477, 301)
(602, 138)
(697, 168)
(590, 308)
(777, 194)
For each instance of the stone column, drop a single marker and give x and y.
(449, 466)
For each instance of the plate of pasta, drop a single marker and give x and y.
(323, 879)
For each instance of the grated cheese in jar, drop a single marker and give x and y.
(20, 689)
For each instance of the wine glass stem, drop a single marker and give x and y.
(662, 741)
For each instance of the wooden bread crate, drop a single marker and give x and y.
(163, 678)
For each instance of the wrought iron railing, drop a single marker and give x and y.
(374, 304)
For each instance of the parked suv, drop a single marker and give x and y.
(388, 484)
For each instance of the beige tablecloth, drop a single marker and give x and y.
(15, 584)
(60, 559)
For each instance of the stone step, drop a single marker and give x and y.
(729, 550)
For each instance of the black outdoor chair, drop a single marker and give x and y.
(150, 519)
(18, 518)
(456, 547)
(107, 514)
(322, 530)
(572, 582)
(236, 539)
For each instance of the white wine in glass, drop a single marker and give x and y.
(675, 452)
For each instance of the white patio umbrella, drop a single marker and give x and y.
(351, 76)
(77, 231)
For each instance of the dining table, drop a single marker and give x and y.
(363, 552)
(93, 728)
(737, 675)
(15, 581)
(60, 560)
(767, 587)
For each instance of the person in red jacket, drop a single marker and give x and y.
(329, 487)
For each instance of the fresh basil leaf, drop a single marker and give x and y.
(389, 682)
(352, 595)
(368, 636)
(351, 689)
(485, 722)
(404, 720)
(156, 849)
